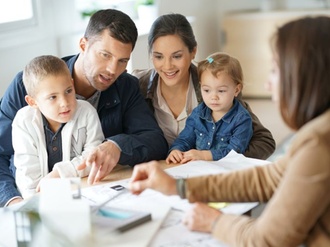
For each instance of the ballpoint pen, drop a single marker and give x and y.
(97, 207)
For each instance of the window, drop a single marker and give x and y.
(17, 14)
(86, 7)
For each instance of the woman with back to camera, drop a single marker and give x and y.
(172, 88)
(297, 186)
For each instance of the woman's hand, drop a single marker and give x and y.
(151, 175)
(201, 217)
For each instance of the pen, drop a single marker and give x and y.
(97, 207)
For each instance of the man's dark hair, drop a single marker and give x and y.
(119, 25)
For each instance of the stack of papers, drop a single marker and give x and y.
(167, 229)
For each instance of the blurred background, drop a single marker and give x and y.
(239, 27)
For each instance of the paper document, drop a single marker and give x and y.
(126, 201)
(233, 161)
(168, 224)
(172, 230)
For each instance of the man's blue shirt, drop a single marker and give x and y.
(125, 118)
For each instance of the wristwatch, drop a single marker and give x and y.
(181, 187)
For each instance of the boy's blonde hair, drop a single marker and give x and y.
(41, 67)
(221, 62)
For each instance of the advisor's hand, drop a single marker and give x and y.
(150, 175)
(201, 217)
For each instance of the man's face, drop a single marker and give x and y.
(104, 60)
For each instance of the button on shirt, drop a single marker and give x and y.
(170, 125)
(232, 132)
(53, 144)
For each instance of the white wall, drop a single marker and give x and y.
(18, 47)
(57, 32)
(207, 23)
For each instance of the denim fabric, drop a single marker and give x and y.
(232, 132)
(262, 143)
(125, 118)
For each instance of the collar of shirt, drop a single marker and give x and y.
(93, 100)
(191, 101)
(46, 125)
(206, 113)
(165, 118)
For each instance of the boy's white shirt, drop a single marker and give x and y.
(80, 135)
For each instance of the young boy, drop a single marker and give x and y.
(220, 123)
(53, 134)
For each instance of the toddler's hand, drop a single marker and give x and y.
(175, 157)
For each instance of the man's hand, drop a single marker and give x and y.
(102, 160)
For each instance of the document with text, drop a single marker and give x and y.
(170, 230)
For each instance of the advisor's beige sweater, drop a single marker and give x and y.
(297, 188)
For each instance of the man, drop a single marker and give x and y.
(99, 73)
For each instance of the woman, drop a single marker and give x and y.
(297, 186)
(172, 88)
